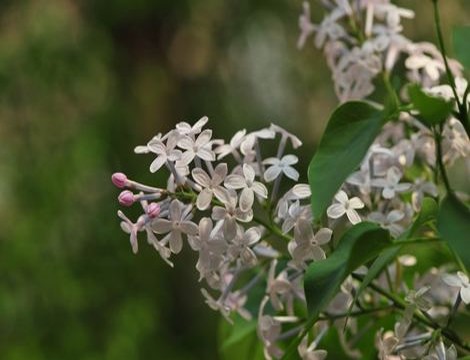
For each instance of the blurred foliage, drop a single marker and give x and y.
(84, 81)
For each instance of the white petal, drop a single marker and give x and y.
(201, 177)
(205, 228)
(302, 191)
(204, 199)
(235, 182)
(220, 172)
(176, 242)
(335, 211)
(162, 226)
(395, 215)
(156, 146)
(462, 277)
(323, 236)
(356, 203)
(272, 173)
(290, 160)
(353, 216)
(260, 189)
(141, 149)
(252, 235)
(188, 227)
(157, 163)
(249, 172)
(465, 295)
(206, 154)
(452, 280)
(291, 173)
(341, 197)
(204, 137)
(246, 199)
(271, 161)
(388, 193)
(186, 143)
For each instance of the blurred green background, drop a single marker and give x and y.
(81, 83)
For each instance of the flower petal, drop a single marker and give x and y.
(260, 189)
(204, 199)
(235, 182)
(246, 199)
(272, 173)
(335, 211)
(353, 216)
(157, 163)
(201, 177)
(341, 197)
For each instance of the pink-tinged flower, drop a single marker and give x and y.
(201, 147)
(389, 221)
(249, 187)
(126, 198)
(230, 214)
(165, 152)
(346, 206)
(242, 243)
(119, 180)
(391, 183)
(281, 166)
(461, 281)
(178, 223)
(153, 210)
(211, 186)
(306, 244)
(132, 229)
(307, 352)
(186, 129)
(305, 25)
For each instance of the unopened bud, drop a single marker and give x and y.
(119, 179)
(126, 198)
(153, 210)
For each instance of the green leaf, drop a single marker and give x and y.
(239, 340)
(359, 244)
(428, 212)
(352, 128)
(453, 223)
(460, 37)
(432, 110)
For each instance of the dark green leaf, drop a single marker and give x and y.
(239, 340)
(350, 132)
(428, 212)
(461, 36)
(432, 110)
(453, 223)
(358, 245)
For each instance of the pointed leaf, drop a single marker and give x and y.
(351, 130)
(460, 37)
(453, 223)
(433, 110)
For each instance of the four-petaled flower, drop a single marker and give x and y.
(281, 166)
(165, 152)
(201, 147)
(345, 206)
(306, 244)
(249, 187)
(178, 223)
(211, 186)
(391, 184)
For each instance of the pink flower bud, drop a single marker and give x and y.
(119, 179)
(153, 210)
(126, 198)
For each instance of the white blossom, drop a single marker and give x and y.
(201, 147)
(211, 185)
(391, 183)
(346, 206)
(281, 166)
(248, 185)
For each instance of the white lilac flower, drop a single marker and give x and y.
(329, 29)
(305, 25)
(445, 91)
(144, 149)
(201, 147)
(439, 352)
(460, 280)
(389, 221)
(418, 298)
(232, 302)
(186, 129)
(165, 152)
(226, 149)
(386, 344)
(430, 66)
(391, 183)
(294, 213)
(247, 145)
(420, 188)
(278, 286)
(211, 185)
(281, 166)
(249, 187)
(306, 244)
(309, 352)
(294, 140)
(298, 192)
(132, 229)
(230, 214)
(346, 206)
(210, 246)
(178, 223)
(240, 247)
(455, 141)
